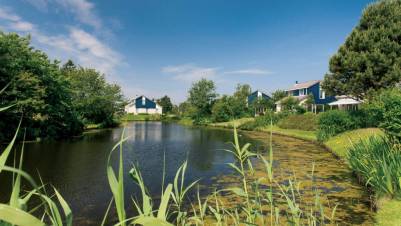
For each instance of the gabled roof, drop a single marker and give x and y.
(303, 85)
(300, 98)
(258, 91)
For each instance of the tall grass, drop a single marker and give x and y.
(256, 204)
(24, 206)
(378, 161)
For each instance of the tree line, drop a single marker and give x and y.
(51, 100)
(204, 105)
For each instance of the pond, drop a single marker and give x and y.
(77, 168)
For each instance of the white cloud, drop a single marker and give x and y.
(83, 10)
(7, 14)
(190, 72)
(249, 71)
(39, 4)
(84, 48)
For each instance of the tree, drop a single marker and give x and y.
(95, 100)
(278, 95)
(165, 103)
(370, 58)
(37, 88)
(289, 103)
(222, 110)
(201, 95)
(186, 109)
(238, 102)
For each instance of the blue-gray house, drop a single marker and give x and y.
(258, 96)
(302, 91)
(143, 105)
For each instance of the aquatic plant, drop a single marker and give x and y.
(378, 161)
(18, 211)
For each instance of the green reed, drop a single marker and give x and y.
(378, 161)
(18, 211)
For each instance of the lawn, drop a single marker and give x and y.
(231, 124)
(340, 143)
(302, 134)
(140, 117)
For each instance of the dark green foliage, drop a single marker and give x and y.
(333, 122)
(392, 114)
(306, 122)
(232, 107)
(222, 110)
(383, 110)
(94, 99)
(370, 58)
(165, 103)
(41, 94)
(378, 162)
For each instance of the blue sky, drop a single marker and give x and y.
(158, 47)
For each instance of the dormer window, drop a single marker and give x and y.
(303, 92)
(322, 93)
(143, 100)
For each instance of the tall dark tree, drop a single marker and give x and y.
(370, 58)
(165, 103)
(201, 95)
(40, 93)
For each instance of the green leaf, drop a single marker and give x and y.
(16, 216)
(151, 221)
(66, 208)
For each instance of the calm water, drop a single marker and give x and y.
(78, 167)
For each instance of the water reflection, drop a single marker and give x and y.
(78, 167)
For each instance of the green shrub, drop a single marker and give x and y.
(306, 122)
(378, 162)
(391, 123)
(202, 121)
(383, 110)
(331, 123)
(260, 121)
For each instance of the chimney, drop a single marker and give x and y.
(296, 82)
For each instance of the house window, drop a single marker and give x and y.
(303, 92)
(322, 93)
(143, 100)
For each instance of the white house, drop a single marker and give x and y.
(143, 105)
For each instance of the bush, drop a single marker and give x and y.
(306, 122)
(384, 110)
(201, 121)
(331, 123)
(267, 119)
(391, 123)
(378, 162)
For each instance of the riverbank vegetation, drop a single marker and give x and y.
(53, 100)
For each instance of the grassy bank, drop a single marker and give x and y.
(388, 210)
(140, 117)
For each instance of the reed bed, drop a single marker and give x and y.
(378, 161)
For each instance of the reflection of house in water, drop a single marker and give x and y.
(143, 131)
